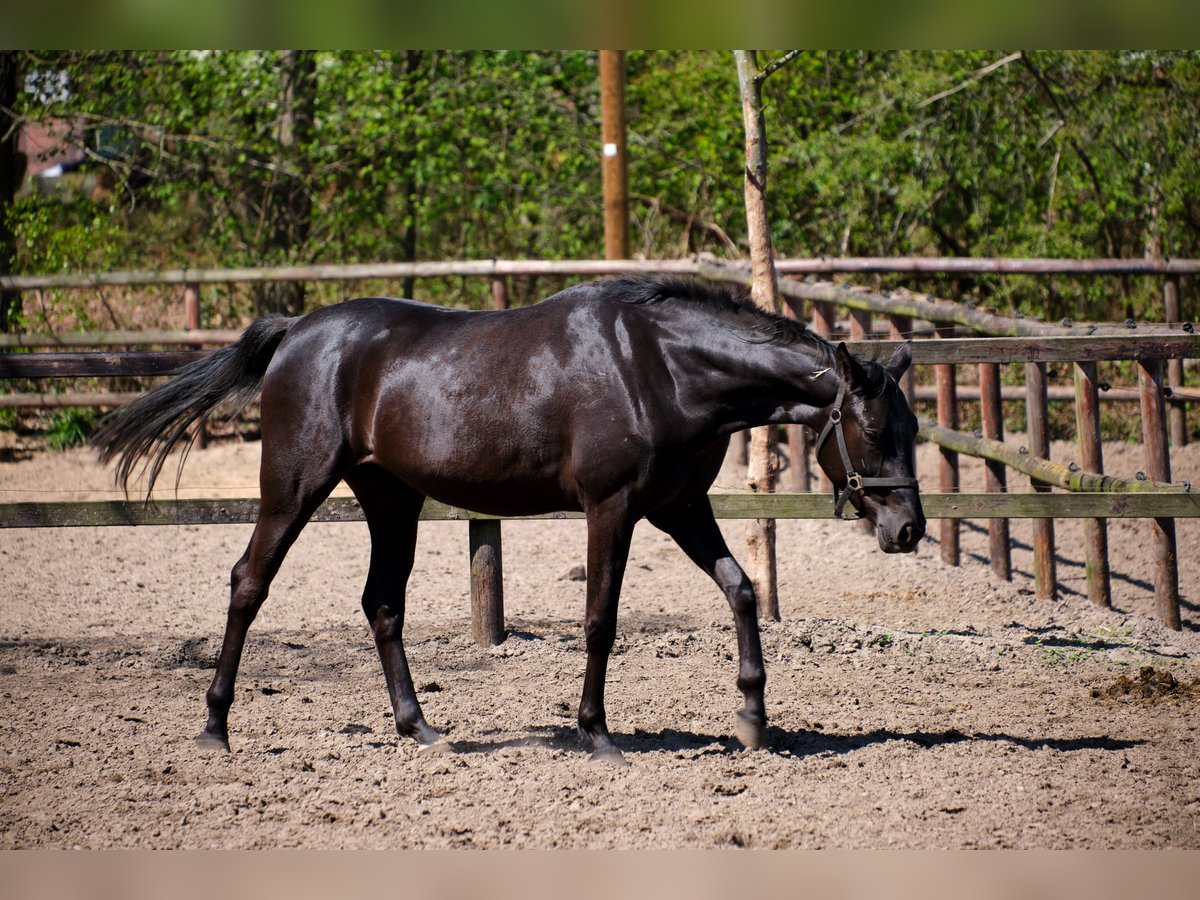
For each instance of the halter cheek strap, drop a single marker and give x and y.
(855, 483)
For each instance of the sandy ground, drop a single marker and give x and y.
(912, 704)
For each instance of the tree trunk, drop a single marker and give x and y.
(760, 541)
(12, 169)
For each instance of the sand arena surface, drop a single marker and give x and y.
(911, 704)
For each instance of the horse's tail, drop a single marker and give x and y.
(151, 426)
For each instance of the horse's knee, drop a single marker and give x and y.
(599, 634)
(742, 600)
(386, 625)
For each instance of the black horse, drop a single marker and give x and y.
(616, 398)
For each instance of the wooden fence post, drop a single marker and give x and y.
(995, 480)
(1095, 531)
(1037, 422)
(487, 582)
(499, 292)
(1158, 468)
(948, 481)
(860, 325)
(823, 318)
(1176, 412)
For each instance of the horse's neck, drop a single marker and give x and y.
(773, 383)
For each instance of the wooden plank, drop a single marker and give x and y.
(395, 271)
(1090, 348)
(1180, 397)
(243, 511)
(518, 267)
(71, 398)
(945, 351)
(1038, 428)
(149, 337)
(1095, 531)
(61, 365)
(1158, 468)
(1036, 467)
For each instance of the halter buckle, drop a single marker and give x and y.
(854, 482)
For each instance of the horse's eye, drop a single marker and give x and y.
(871, 436)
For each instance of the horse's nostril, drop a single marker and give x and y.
(905, 537)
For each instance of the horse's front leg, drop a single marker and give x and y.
(610, 530)
(695, 530)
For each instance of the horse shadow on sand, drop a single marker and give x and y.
(780, 742)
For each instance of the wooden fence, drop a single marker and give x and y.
(1014, 340)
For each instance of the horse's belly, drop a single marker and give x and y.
(495, 480)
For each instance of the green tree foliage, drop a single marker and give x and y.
(254, 158)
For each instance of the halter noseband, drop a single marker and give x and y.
(855, 483)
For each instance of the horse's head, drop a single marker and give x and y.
(866, 449)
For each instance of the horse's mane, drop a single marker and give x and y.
(730, 301)
(726, 300)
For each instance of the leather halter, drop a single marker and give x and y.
(855, 483)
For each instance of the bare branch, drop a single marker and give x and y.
(979, 75)
(770, 67)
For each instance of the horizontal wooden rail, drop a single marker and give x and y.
(30, 400)
(1141, 505)
(944, 352)
(75, 365)
(1043, 470)
(499, 268)
(149, 337)
(1009, 393)
(1035, 348)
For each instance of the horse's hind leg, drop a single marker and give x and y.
(288, 500)
(392, 509)
(695, 530)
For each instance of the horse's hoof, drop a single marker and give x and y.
(436, 748)
(209, 742)
(610, 756)
(750, 734)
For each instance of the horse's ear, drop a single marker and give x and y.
(849, 368)
(900, 361)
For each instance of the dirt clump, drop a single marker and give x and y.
(1150, 684)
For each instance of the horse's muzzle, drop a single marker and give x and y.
(902, 536)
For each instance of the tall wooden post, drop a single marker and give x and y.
(860, 324)
(499, 292)
(1091, 457)
(614, 169)
(948, 481)
(1177, 412)
(1158, 468)
(995, 478)
(1037, 419)
(760, 538)
(487, 582)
